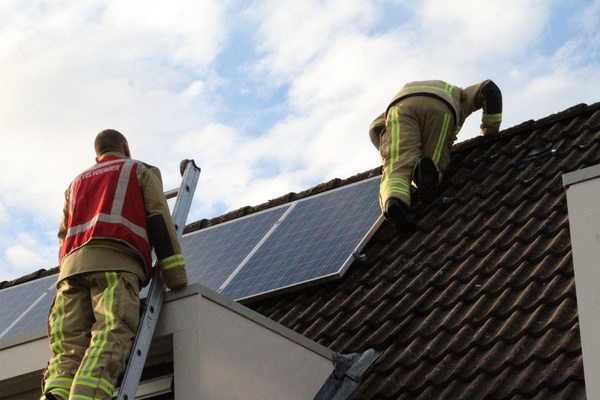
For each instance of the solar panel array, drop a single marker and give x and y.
(296, 244)
(307, 241)
(317, 240)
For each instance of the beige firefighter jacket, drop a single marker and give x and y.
(463, 103)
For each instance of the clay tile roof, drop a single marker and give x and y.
(479, 302)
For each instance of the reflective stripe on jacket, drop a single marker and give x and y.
(106, 202)
(442, 90)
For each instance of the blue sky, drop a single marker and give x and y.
(268, 97)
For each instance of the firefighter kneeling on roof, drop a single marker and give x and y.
(114, 214)
(414, 137)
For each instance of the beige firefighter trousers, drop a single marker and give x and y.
(91, 326)
(416, 126)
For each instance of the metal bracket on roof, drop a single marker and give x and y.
(358, 256)
(347, 375)
(541, 152)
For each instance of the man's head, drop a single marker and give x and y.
(111, 140)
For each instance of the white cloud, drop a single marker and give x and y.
(483, 29)
(186, 32)
(291, 34)
(27, 254)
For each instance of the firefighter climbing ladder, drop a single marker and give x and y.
(156, 293)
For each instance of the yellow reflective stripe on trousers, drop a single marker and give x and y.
(397, 186)
(394, 186)
(60, 393)
(58, 334)
(109, 324)
(60, 387)
(59, 383)
(93, 382)
(439, 147)
(395, 143)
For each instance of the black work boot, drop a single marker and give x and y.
(426, 175)
(398, 214)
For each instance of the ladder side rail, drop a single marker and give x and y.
(157, 289)
(185, 196)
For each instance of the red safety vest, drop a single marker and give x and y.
(106, 202)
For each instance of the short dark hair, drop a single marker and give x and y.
(109, 140)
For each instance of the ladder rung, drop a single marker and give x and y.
(169, 194)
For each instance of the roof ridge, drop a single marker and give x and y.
(528, 125)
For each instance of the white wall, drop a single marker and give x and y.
(583, 198)
(225, 351)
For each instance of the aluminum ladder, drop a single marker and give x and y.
(156, 293)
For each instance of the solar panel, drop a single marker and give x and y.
(316, 241)
(37, 316)
(212, 254)
(18, 301)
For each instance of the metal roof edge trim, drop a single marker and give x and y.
(23, 338)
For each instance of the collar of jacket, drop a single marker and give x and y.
(110, 155)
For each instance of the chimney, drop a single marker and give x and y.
(583, 200)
